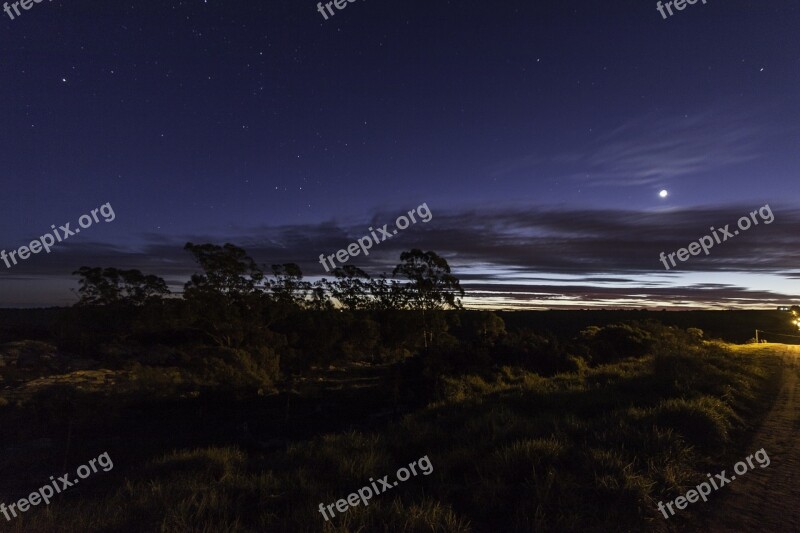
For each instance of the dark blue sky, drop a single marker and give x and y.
(539, 134)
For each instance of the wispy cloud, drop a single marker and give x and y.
(649, 150)
(652, 149)
(565, 255)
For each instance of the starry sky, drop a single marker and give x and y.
(539, 134)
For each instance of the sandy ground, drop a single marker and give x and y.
(768, 499)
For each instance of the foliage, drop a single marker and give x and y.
(386, 294)
(617, 341)
(234, 369)
(543, 354)
(432, 285)
(288, 288)
(351, 288)
(112, 286)
(512, 451)
(227, 270)
(227, 300)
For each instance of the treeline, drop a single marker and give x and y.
(238, 317)
(235, 324)
(229, 274)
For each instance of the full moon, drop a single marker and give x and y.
(664, 193)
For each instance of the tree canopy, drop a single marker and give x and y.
(112, 286)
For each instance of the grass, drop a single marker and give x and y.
(593, 450)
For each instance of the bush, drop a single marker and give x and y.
(704, 421)
(542, 354)
(696, 333)
(449, 356)
(617, 341)
(230, 368)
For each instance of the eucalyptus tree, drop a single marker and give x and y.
(432, 286)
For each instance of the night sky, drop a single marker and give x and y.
(539, 134)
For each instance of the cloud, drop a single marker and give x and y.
(533, 253)
(693, 296)
(652, 149)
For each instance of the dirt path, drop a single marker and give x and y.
(768, 499)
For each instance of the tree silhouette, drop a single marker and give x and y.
(318, 296)
(226, 270)
(112, 286)
(387, 294)
(288, 288)
(351, 287)
(432, 286)
(227, 299)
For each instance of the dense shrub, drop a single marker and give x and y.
(697, 333)
(704, 421)
(231, 368)
(617, 341)
(542, 354)
(449, 356)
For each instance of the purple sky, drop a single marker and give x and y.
(539, 134)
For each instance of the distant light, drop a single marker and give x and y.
(664, 193)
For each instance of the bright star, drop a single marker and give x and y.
(664, 193)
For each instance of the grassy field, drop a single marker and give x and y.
(594, 449)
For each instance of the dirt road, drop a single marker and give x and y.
(768, 500)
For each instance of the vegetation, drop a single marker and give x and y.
(254, 397)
